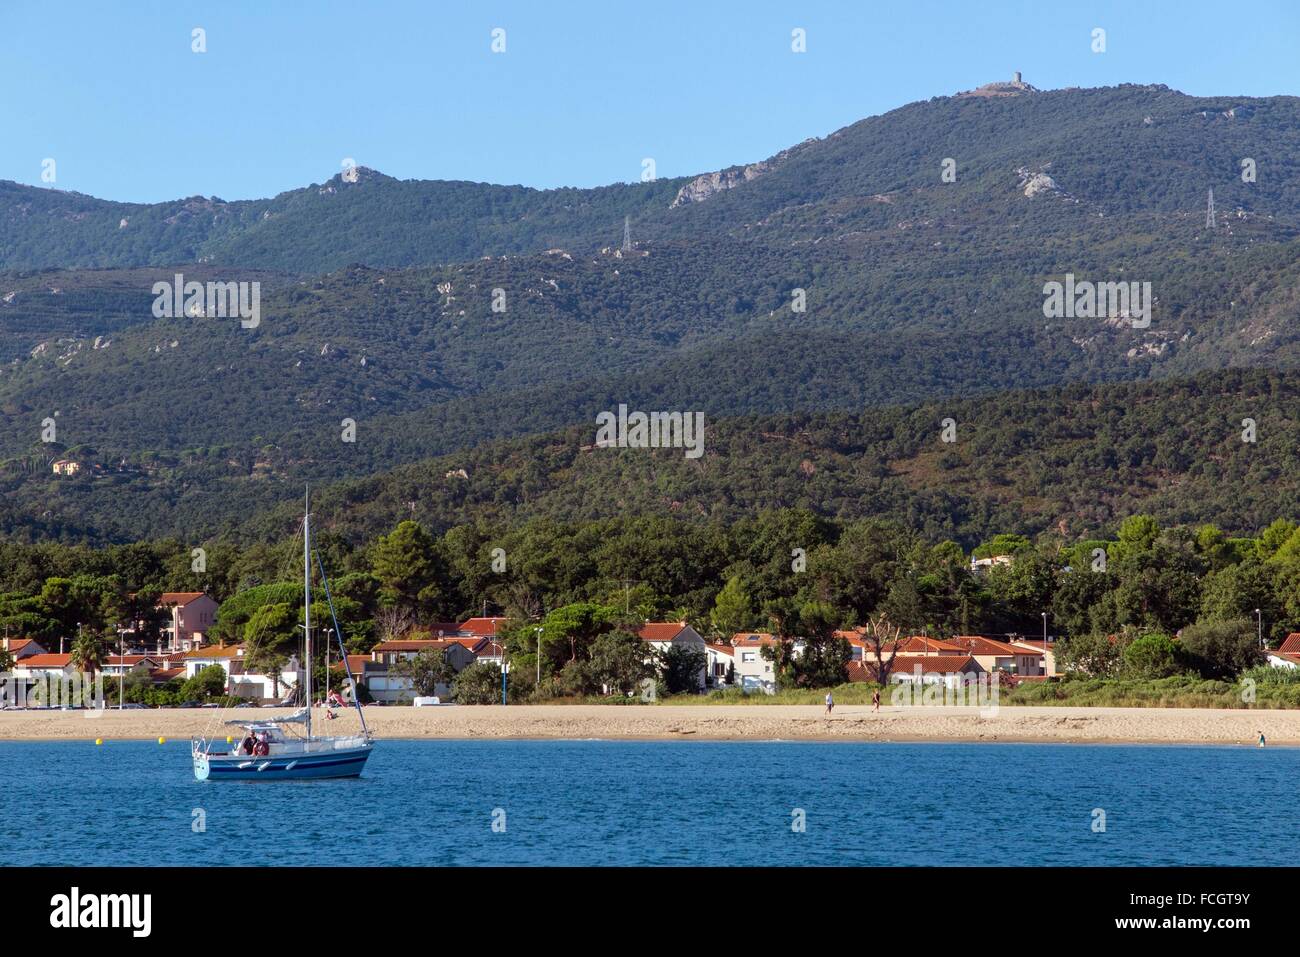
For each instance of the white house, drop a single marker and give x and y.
(1286, 655)
(753, 671)
(662, 635)
(223, 655)
(720, 663)
(42, 679)
(984, 564)
(240, 681)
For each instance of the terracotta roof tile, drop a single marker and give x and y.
(179, 597)
(661, 630)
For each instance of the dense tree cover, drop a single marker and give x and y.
(1075, 459)
(375, 219)
(574, 593)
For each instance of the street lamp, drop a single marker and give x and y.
(1044, 614)
(505, 671)
(538, 632)
(1259, 627)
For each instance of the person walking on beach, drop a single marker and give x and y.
(830, 703)
(1261, 739)
(875, 700)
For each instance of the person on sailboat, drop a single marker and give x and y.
(263, 747)
(249, 744)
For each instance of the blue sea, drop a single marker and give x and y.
(660, 803)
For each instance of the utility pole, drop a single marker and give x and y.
(627, 591)
(1209, 211)
(1044, 643)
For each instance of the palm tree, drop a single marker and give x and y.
(88, 653)
(87, 656)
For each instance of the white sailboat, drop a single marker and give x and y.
(281, 752)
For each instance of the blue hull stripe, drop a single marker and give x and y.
(303, 764)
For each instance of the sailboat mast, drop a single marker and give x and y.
(306, 599)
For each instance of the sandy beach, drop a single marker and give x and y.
(709, 722)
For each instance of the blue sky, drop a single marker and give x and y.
(286, 90)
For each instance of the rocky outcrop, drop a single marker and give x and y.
(702, 187)
(710, 184)
(1032, 183)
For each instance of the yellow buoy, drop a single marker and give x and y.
(162, 740)
(229, 740)
(99, 741)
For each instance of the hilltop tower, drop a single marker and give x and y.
(627, 234)
(1209, 211)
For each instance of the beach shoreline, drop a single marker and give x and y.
(1054, 724)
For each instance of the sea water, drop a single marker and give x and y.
(660, 803)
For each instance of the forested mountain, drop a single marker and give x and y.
(1066, 462)
(1113, 152)
(440, 316)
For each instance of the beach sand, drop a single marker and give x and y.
(705, 722)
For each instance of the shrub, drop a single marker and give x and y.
(1221, 649)
(479, 683)
(1152, 656)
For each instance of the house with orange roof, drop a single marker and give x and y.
(197, 659)
(47, 680)
(1287, 654)
(124, 664)
(192, 615)
(949, 671)
(1291, 644)
(481, 627)
(865, 651)
(753, 671)
(21, 648)
(44, 666)
(160, 676)
(995, 655)
(660, 636)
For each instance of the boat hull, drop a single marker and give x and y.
(335, 763)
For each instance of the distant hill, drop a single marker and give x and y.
(380, 299)
(1111, 152)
